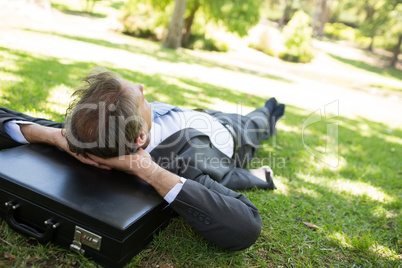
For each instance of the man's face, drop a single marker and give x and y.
(136, 91)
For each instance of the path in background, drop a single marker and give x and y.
(308, 86)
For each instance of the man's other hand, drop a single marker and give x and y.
(60, 141)
(141, 165)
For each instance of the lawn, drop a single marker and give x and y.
(348, 215)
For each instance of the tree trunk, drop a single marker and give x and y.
(286, 11)
(93, 6)
(397, 50)
(369, 11)
(188, 22)
(370, 48)
(315, 17)
(324, 17)
(173, 39)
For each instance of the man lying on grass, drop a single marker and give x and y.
(193, 158)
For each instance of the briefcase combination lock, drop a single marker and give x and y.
(85, 237)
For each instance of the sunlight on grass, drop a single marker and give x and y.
(10, 77)
(339, 239)
(7, 80)
(364, 130)
(178, 82)
(288, 128)
(331, 161)
(356, 188)
(392, 139)
(356, 204)
(9, 65)
(282, 188)
(309, 192)
(381, 212)
(364, 242)
(370, 69)
(35, 113)
(8, 61)
(161, 97)
(58, 99)
(384, 251)
(222, 105)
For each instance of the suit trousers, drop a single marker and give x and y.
(249, 131)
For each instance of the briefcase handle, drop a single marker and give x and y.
(29, 231)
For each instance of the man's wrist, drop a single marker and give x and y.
(160, 179)
(153, 173)
(55, 138)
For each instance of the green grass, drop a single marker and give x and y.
(66, 9)
(386, 72)
(386, 88)
(356, 205)
(154, 50)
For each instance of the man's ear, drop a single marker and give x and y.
(141, 139)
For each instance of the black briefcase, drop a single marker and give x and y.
(108, 216)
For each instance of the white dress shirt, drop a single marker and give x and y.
(14, 131)
(168, 124)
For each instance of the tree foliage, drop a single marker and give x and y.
(90, 5)
(141, 18)
(298, 35)
(395, 23)
(369, 22)
(376, 17)
(236, 16)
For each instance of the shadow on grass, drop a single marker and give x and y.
(355, 226)
(38, 75)
(65, 9)
(356, 205)
(164, 54)
(195, 94)
(388, 72)
(34, 78)
(117, 5)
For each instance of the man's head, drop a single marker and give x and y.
(108, 116)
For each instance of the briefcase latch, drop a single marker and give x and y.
(85, 237)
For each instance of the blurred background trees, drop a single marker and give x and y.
(90, 5)
(175, 34)
(369, 23)
(203, 24)
(297, 34)
(235, 16)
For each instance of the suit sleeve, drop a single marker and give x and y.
(7, 115)
(225, 217)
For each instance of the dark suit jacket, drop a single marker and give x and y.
(221, 215)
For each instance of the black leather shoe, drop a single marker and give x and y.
(278, 112)
(275, 116)
(271, 104)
